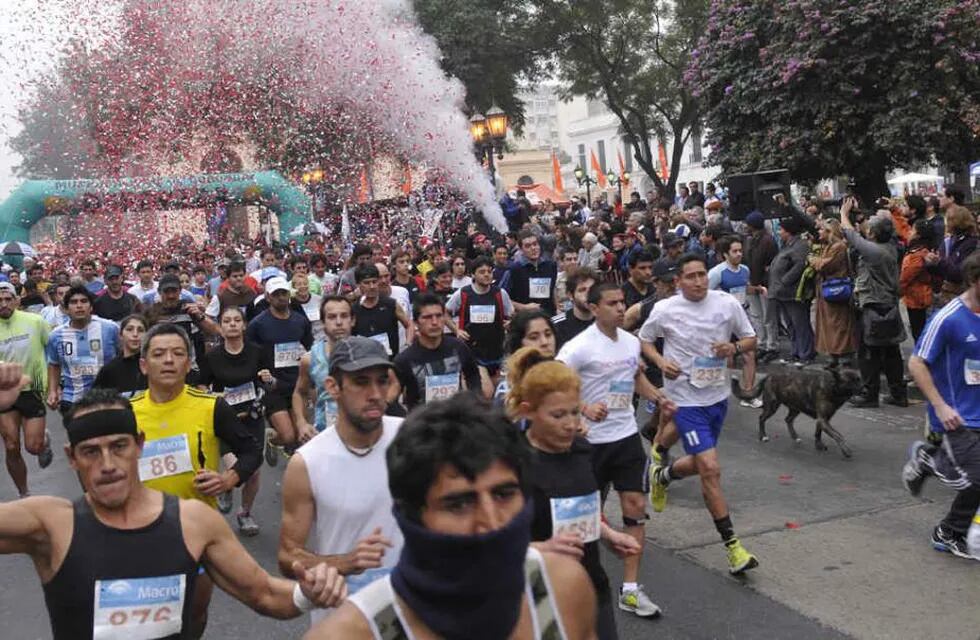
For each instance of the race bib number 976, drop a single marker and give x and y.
(287, 354)
(138, 608)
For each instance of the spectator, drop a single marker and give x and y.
(592, 252)
(836, 327)
(916, 281)
(960, 242)
(760, 249)
(784, 279)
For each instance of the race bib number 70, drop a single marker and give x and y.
(138, 608)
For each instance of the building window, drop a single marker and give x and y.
(581, 157)
(628, 155)
(695, 157)
(601, 145)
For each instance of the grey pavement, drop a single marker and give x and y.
(843, 548)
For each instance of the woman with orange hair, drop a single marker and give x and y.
(567, 502)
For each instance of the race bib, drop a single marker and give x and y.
(382, 339)
(540, 288)
(241, 393)
(138, 608)
(287, 354)
(620, 395)
(971, 371)
(739, 293)
(708, 372)
(482, 314)
(441, 387)
(165, 457)
(85, 366)
(312, 314)
(578, 515)
(356, 582)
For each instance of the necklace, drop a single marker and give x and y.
(360, 453)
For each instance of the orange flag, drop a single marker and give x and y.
(598, 170)
(362, 193)
(407, 182)
(622, 166)
(556, 174)
(664, 169)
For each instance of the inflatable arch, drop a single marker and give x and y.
(26, 205)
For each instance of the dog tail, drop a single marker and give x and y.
(746, 394)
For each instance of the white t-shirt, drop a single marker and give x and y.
(689, 329)
(312, 310)
(459, 283)
(607, 369)
(140, 291)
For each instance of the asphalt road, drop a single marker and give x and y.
(843, 548)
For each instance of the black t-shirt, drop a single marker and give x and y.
(115, 308)
(376, 321)
(33, 303)
(631, 295)
(567, 326)
(274, 335)
(416, 364)
(565, 475)
(223, 370)
(412, 286)
(122, 374)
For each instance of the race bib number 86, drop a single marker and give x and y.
(165, 457)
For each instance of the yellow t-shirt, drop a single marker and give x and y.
(180, 440)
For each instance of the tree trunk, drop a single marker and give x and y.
(871, 183)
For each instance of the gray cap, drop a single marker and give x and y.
(8, 286)
(357, 353)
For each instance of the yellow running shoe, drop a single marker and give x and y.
(739, 560)
(658, 490)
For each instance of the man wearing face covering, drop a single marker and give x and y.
(456, 471)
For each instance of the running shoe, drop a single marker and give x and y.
(754, 403)
(247, 525)
(739, 560)
(944, 540)
(913, 473)
(225, 502)
(46, 456)
(271, 450)
(658, 489)
(638, 603)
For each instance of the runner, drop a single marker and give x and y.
(571, 323)
(326, 517)
(567, 509)
(237, 370)
(314, 367)
(143, 588)
(56, 313)
(284, 335)
(950, 345)
(483, 310)
(377, 317)
(637, 286)
(731, 276)
(406, 335)
(183, 428)
(457, 474)
(146, 284)
(401, 263)
(173, 308)
(432, 367)
(23, 337)
(123, 374)
(531, 281)
(114, 303)
(233, 292)
(310, 302)
(77, 350)
(607, 359)
(697, 327)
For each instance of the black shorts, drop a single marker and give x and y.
(275, 401)
(29, 405)
(623, 463)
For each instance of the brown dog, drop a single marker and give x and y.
(818, 393)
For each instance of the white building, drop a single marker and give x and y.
(541, 130)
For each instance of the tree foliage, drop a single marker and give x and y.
(833, 87)
(632, 55)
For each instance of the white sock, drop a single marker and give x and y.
(629, 586)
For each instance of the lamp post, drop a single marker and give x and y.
(489, 133)
(618, 181)
(583, 178)
(312, 179)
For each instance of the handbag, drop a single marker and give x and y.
(837, 290)
(882, 325)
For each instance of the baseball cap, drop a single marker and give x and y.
(113, 270)
(169, 281)
(682, 231)
(7, 286)
(665, 269)
(173, 264)
(755, 220)
(670, 239)
(276, 283)
(357, 353)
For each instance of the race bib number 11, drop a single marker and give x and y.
(138, 608)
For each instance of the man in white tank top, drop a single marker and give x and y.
(336, 502)
(456, 473)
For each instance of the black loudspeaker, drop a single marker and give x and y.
(748, 192)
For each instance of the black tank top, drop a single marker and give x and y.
(123, 579)
(379, 320)
(481, 316)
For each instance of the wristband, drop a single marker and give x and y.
(300, 600)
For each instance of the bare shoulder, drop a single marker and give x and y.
(573, 593)
(199, 522)
(345, 623)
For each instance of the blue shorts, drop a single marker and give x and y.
(699, 427)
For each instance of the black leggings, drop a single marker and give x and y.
(917, 322)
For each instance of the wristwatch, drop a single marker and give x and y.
(738, 348)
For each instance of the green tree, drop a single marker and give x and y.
(855, 87)
(632, 55)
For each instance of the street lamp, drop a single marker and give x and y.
(618, 181)
(583, 178)
(489, 133)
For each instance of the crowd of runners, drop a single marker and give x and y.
(450, 423)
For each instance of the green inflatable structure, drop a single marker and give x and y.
(26, 205)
